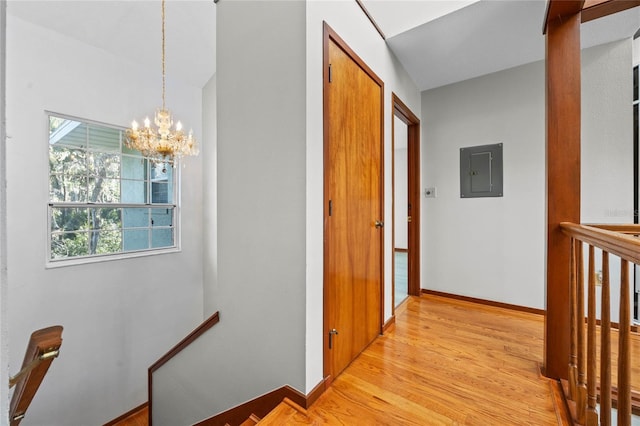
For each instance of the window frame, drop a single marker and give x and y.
(104, 257)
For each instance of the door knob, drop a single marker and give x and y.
(379, 224)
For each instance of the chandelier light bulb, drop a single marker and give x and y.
(134, 125)
(178, 126)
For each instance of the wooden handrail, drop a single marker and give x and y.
(617, 243)
(621, 241)
(631, 229)
(43, 347)
(197, 332)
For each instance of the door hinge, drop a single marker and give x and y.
(330, 76)
(330, 207)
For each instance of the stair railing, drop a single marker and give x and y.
(43, 348)
(585, 385)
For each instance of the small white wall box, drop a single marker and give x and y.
(481, 171)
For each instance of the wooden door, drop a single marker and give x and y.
(353, 210)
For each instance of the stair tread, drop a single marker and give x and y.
(287, 412)
(251, 421)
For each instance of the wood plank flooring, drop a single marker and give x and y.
(139, 418)
(445, 362)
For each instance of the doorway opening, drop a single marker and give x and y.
(401, 213)
(406, 202)
(636, 178)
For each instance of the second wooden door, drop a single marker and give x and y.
(353, 205)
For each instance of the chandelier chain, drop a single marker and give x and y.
(163, 62)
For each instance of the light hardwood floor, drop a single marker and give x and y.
(445, 362)
(139, 418)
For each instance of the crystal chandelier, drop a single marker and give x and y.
(163, 142)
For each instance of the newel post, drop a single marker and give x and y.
(562, 29)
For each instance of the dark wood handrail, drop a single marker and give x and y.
(43, 347)
(197, 332)
(206, 325)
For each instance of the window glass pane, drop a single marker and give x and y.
(103, 190)
(105, 165)
(105, 219)
(104, 138)
(162, 237)
(161, 183)
(160, 170)
(69, 244)
(69, 161)
(162, 217)
(110, 218)
(134, 191)
(67, 132)
(134, 168)
(135, 218)
(159, 192)
(128, 151)
(104, 242)
(64, 188)
(69, 219)
(135, 239)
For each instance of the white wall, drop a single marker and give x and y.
(490, 248)
(493, 248)
(348, 20)
(607, 134)
(209, 197)
(260, 289)
(182, 388)
(607, 145)
(118, 316)
(4, 291)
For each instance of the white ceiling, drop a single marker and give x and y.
(132, 28)
(438, 41)
(397, 16)
(485, 37)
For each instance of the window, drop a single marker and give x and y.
(104, 198)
